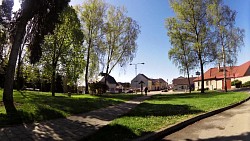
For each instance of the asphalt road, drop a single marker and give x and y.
(230, 125)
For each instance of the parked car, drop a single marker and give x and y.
(130, 91)
(166, 90)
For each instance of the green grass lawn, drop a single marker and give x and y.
(38, 106)
(163, 110)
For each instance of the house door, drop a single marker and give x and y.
(228, 84)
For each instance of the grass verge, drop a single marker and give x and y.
(161, 111)
(38, 106)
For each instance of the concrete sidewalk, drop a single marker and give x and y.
(71, 128)
(232, 124)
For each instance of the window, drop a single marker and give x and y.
(207, 83)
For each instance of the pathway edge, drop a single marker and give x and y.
(178, 126)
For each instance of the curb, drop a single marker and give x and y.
(176, 127)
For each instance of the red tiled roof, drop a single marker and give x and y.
(231, 72)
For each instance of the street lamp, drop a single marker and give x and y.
(135, 64)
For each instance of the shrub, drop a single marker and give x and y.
(237, 83)
(246, 84)
(98, 87)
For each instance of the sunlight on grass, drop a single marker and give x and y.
(162, 111)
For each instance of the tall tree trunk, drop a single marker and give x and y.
(189, 84)
(9, 77)
(87, 71)
(19, 66)
(105, 78)
(53, 80)
(224, 68)
(18, 72)
(202, 74)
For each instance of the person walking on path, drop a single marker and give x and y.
(146, 90)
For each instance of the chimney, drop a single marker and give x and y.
(218, 67)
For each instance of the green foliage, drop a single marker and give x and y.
(63, 50)
(237, 83)
(91, 15)
(162, 111)
(190, 29)
(120, 35)
(246, 84)
(228, 36)
(98, 87)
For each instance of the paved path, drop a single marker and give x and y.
(230, 125)
(71, 128)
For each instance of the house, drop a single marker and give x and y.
(181, 83)
(214, 76)
(159, 84)
(122, 87)
(141, 78)
(110, 82)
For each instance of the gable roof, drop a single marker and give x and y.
(109, 79)
(231, 72)
(144, 76)
(158, 80)
(140, 75)
(183, 81)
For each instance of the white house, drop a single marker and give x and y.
(181, 83)
(111, 83)
(141, 78)
(213, 78)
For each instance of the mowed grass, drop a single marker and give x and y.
(162, 111)
(38, 106)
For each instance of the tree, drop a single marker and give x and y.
(229, 38)
(192, 14)
(120, 37)
(45, 14)
(63, 45)
(92, 14)
(181, 52)
(74, 63)
(5, 17)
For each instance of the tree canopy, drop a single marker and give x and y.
(203, 27)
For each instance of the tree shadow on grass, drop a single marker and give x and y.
(147, 109)
(44, 107)
(113, 132)
(117, 131)
(42, 113)
(164, 97)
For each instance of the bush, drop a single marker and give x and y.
(98, 88)
(246, 84)
(237, 83)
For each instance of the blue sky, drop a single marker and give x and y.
(153, 42)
